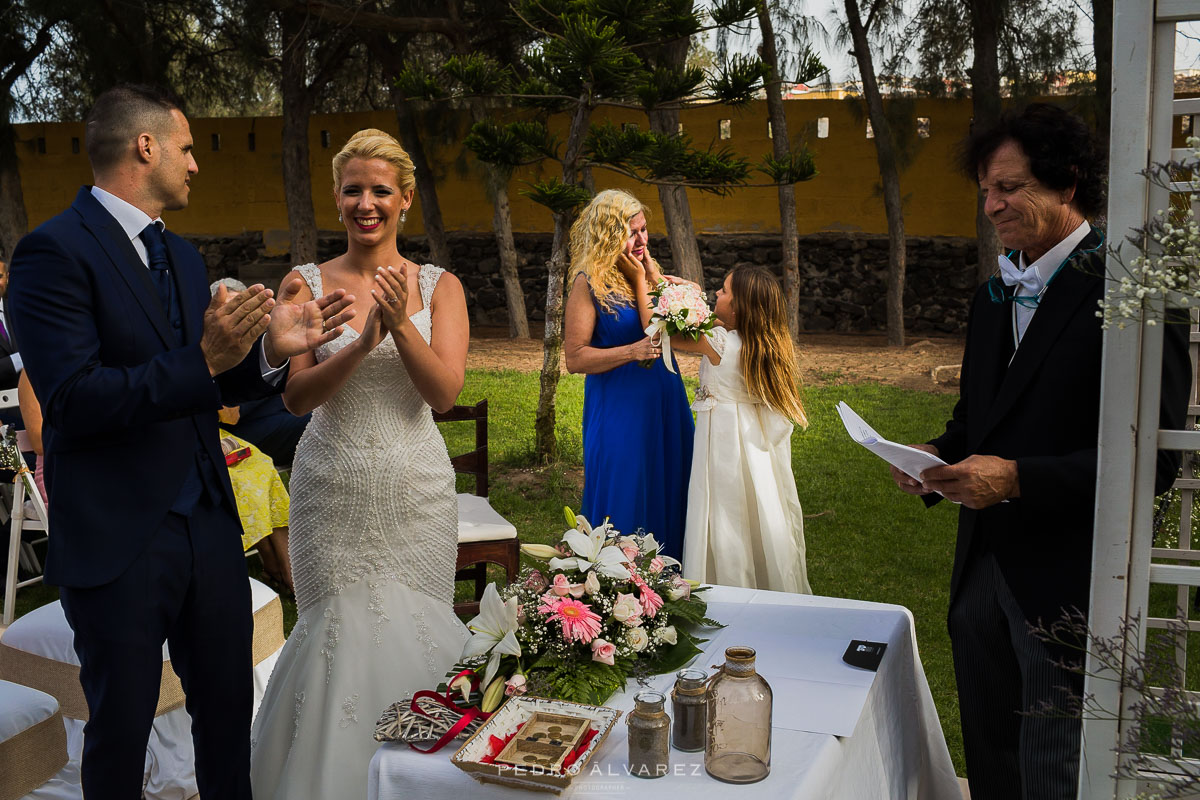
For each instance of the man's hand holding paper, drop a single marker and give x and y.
(976, 481)
(909, 484)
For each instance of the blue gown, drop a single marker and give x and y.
(637, 440)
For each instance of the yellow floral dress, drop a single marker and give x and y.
(262, 499)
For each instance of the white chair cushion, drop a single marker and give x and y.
(21, 708)
(44, 632)
(479, 522)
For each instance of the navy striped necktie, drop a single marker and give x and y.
(160, 270)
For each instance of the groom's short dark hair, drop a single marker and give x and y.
(119, 115)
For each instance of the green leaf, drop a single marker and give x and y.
(796, 167)
(557, 196)
(677, 656)
(416, 82)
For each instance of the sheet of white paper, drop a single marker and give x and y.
(818, 707)
(909, 460)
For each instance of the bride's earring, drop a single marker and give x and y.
(403, 215)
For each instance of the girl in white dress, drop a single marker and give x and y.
(374, 523)
(744, 523)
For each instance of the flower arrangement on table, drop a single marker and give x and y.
(678, 308)
(607, 607)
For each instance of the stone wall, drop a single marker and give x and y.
(842, 276)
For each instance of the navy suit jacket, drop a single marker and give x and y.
(1043, 411)
(125, 405)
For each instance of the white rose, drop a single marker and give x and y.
(626, 608)
(666, 635)
(592, 584)
(637, 638)
(679, 589)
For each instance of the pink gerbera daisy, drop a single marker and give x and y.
(651, 601)
(579, 622)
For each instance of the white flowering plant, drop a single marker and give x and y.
(1168, 250)
(606, 607)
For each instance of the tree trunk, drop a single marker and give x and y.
(514, 296)
(986, 19)
(13, 222)
(677, 211)
(297, 107)
(888, 173)
(431, 210)
(546, 441)
(1102, 39)
(788, 230)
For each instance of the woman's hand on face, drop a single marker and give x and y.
(391, 296)
(646, 349)
(633, 271)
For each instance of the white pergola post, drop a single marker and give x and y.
(1143, 111)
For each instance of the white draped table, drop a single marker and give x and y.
(896, 749)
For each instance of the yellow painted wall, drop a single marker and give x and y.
(238, 190)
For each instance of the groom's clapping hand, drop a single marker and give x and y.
(297, 328)
(233, 324)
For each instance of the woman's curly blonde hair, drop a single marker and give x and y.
(371, 143)
(597, 238)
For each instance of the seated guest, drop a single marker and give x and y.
(271, 428)
(31, 413)
(262, 502)
(10, 359)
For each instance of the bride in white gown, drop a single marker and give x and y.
(374, 530)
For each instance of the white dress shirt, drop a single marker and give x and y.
(133, 221)
(1045, 266)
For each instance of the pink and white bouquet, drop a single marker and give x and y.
(605, 606)
(678, 308)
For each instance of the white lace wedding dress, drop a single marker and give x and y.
(374, 537)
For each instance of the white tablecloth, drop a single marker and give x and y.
(896, 751)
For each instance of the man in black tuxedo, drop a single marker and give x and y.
(1022, 446)
(131, 362)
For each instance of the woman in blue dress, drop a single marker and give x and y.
(637, 427)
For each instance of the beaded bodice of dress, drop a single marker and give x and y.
(372, 485)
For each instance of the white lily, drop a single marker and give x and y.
(649, 544)
(588, 545)
(495, 631)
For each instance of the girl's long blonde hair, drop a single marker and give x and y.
(597, 238)
(768, 358)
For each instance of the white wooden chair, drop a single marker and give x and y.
(27, 512)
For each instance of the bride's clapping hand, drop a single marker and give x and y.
(373, 330)
(391, 296)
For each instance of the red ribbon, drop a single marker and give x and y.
(469, 714)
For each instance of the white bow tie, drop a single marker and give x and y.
(1029, 278)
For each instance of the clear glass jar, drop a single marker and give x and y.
(689, 706)
(737, 748)
(649, 735)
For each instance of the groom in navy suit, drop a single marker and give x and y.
(131, 362)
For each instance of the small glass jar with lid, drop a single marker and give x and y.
(737, 748)
(649, 735)
(689, 706)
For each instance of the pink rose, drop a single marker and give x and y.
(656, 565)
(515, 685)
(631, 551)
(560, 585)
(603, 651)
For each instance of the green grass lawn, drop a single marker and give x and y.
(865, 539)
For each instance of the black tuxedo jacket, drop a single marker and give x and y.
(1043, 411)
(126, 406)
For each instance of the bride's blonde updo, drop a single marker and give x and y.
(371, 143)
(597, 238)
